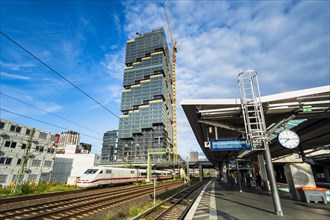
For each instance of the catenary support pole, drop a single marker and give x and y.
(148, 168)
(239, 178)
(201, 179)
(272, 180)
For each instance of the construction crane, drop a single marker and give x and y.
(174, 51)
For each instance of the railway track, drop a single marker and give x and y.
(82, 206)
(175, 207)
(9, 203)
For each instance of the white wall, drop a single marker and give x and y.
(68, 166)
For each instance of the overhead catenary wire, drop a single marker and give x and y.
(57, 73)
(65, 79)
(24, 116)
(49, 112)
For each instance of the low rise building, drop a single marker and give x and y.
(17, 140)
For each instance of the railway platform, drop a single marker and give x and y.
(220, 201)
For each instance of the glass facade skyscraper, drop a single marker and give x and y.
(110, 147)
(146, 103)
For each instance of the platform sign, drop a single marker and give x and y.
(230, 144)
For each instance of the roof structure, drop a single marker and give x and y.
(307, 112)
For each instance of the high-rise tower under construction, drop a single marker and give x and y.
(146, 103)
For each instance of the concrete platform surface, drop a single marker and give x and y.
(220, 201)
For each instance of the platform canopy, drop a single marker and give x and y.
(307, 112)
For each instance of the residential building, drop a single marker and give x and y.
(83, 148)
(110, 147)
(68, 142)
(147, 98)
(193, 156)
(15, 140)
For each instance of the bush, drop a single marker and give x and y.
(27, 189)
(5, 192)
(134, 211)
(115, 216)
(24, 189)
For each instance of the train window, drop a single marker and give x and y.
(132, 171)
(91, 171)
(108, 171)
(101, 171)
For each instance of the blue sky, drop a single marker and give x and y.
(287, 42)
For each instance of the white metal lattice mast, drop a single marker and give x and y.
(252, 110)
(255, 126)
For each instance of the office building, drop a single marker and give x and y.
(147, 113)
(110, 147)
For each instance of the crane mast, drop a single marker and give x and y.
(174, 51)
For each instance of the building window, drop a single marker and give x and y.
(48, 163)
(43, 135)
(8, 161)
(33, 177)
(14, 178)
(36, 163)
(53, 138)
(19, 161)
(2, 125)
(27, 131)
(5, 160)
(10, 144)
(3, 178)
(23, 146)
(15, 128)
(40, 148)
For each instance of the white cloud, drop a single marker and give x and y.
(16, 66)
(49, 107)
(286, 42)
(14, 76)
(114, 94)
(114, 63)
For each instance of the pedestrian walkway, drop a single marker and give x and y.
(220, 201)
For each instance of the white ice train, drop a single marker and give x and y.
(106, 176)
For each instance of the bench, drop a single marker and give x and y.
(315, 194)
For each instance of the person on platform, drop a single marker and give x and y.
(258, 181)
(248, 180)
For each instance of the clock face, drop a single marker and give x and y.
(288, 139)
